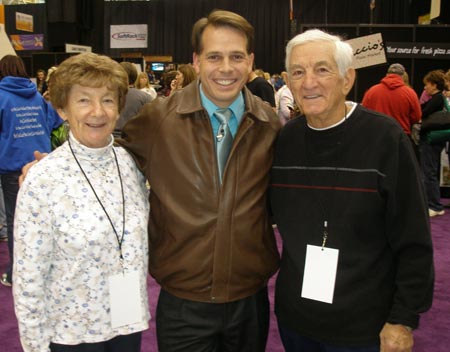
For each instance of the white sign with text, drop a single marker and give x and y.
(368, 50)
(128, 36)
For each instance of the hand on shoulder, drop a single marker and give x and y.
(38, 156)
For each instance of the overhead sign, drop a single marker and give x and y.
(128, 36)
(368, 50)
(75, 48)
(418, 50)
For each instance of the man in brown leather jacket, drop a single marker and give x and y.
(212, 248)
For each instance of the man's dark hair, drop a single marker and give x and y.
(220, 18)
(130, 70)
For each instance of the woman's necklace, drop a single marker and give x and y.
(119, 238)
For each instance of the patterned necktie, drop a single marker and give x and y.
(224, 139)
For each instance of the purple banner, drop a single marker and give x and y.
(27, 41)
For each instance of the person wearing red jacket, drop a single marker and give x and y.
(396, 99)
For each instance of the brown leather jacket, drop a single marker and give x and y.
(207, 243)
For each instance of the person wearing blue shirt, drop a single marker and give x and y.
(26, 122)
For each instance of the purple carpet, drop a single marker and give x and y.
(432, 335)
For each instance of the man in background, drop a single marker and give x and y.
(394, 98)
(136, 98)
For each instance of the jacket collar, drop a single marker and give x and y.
(190, 102)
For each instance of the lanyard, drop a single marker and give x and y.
(119, 239)
(325, 208)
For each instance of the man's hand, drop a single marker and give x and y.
(396, 338)
(38, 156)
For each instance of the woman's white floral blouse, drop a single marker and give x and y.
(65, 247)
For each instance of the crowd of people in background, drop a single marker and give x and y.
(394, 97)
(271, 88)
(211, 245)
(404, 103)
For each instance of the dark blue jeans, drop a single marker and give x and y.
(10, 186)
(2, 213)
(430, 157)
(294, 342)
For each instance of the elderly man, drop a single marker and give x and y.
(357, 263)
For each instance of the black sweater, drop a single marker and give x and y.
(362, 177)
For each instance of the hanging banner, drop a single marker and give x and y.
(368, 50)
(418, 50)
(27, 41)
(128, 36)
(24, 22)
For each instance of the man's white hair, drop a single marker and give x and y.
(343, 53)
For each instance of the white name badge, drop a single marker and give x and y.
(125, 299)
(320, 273)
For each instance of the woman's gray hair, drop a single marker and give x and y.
(343, 53)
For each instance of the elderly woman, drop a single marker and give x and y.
(81, 225)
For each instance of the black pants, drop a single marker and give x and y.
(123, 343)
(188, 326)
(293, 342)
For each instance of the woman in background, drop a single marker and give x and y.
(185, 75)
(26, 122)
(430, 153)
(52, 69)
(41, 81)
(143, 84)
(166, 83)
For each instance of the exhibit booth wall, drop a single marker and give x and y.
(422, 51)
(169, 23)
